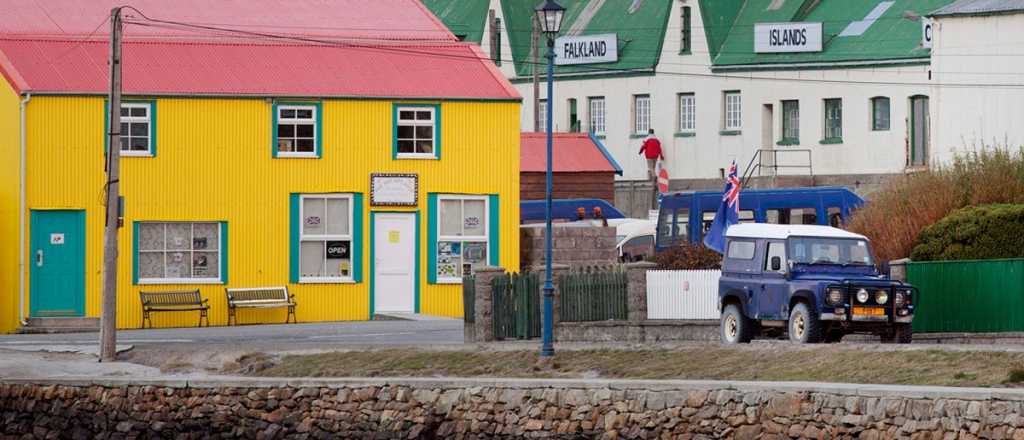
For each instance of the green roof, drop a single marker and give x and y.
(639, 25)
(894, 37)
(464, 18)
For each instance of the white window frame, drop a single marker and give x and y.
(732, 107)
(148, 120)
(296, 121)
(597, 116)
(687, 113)
(415, 123)
(327, 237)
(641, 114)
(462, 238)
(542, 115)
(190, 251)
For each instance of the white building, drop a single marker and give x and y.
(855, 111)
(978, 71)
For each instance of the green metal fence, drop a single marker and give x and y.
(968, 296)
(598, 296)
(516, 306)
(469, 299)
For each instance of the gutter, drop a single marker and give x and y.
(822, 65)
(21, 218)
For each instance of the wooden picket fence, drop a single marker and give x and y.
(594, 296)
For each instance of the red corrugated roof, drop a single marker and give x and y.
(444, 70)
(388, 19)
(572, 152)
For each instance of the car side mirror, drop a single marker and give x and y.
(776, 264)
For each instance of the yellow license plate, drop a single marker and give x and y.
(870, 311)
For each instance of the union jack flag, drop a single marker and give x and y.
(728, 213)
(731, 197)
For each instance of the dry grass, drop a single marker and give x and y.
(820, 363)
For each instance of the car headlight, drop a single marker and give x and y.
(834, 297)
(881, 297)
(863, 296)
(899, 299)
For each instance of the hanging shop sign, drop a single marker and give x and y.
(926, 33)
(388, 189)
(787, 37)
(586, 49)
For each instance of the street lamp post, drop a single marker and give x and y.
(549, 15)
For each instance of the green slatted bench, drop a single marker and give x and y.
(260, 297)
(173, 301)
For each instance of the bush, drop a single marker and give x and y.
(975, 233)
(896, 214)
(688, 256)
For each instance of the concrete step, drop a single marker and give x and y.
(60, 325)
(403, 316)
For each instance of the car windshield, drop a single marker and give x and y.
(844, 251)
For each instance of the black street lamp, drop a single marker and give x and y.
(549, 16)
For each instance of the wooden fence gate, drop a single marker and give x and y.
(516, 301)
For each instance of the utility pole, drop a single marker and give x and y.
(108, 320)
(535, 39)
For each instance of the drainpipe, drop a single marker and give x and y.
(21, 220)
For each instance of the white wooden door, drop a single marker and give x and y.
(394, 262)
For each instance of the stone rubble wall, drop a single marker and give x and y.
(574, 245)
(489, 408)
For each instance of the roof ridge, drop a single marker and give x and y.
(236, 42)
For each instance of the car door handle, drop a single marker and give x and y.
(39, 258)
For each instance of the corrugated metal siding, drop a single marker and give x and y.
(968, 296)
(10, 143)
(682, 294)
(214, 164)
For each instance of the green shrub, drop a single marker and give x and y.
(688, 256)
(975, 233)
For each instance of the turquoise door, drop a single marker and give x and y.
(57, 261)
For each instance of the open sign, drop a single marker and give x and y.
(337, 250)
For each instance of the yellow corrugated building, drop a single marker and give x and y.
(363, 180)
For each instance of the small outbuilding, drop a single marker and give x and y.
(582, 167)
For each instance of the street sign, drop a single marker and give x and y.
(587, 49)
(787, 37)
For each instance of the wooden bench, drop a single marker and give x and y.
(173, 301)
(260, 297)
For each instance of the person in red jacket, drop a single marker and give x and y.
(651, 149)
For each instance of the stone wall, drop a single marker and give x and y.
(483, 408)
(573, 245)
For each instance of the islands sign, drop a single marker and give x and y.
(787, 37)
(588, 49)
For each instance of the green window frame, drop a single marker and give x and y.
(447, 250)
(408, 129)
(286, 120)
(177, 245)
(686, 32)
(129, 122)
(880, 113)
(299, 234)
(833, 121)
(790, 122)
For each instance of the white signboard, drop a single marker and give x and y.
(787, 37)
(926, 33)
(588, 49)
(57, 238)
(393, 189)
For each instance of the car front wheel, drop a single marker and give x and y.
(804, 326)
(735, 328)
(900, 334)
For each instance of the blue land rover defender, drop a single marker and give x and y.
(816, 283)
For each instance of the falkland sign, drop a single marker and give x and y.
(588, 49)
(787, 37)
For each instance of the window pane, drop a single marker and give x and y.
(205, 236)
(405, 131)
(474, 254)
(304, 145)
(125, 111)
(151, 265)
(288, 113)
(405, 147)
(138, 144)
(179, 236)
(125, 129)
(304, 114)
(681, 228)
(406, 115)
(451, 217)
(205, 265)
(425, 147)
(775, 250)
(425, 132)
(286, 145)
(179, 264)
(338, 258)
(474, 219)
(313, 216)
(423, 116)
(304, 130)
(311, 258)
(449, 259)
(138, 129)
(743, 250)
(139, 112)
(285, 130)
(151, 236)
(337, 217)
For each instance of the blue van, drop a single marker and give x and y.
(687, 216)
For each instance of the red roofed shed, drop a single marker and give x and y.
(582, 167)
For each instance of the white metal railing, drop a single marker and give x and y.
(682, 294)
